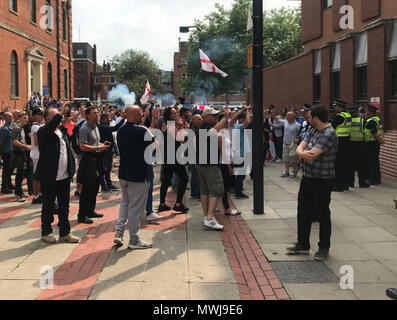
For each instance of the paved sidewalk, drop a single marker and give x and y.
(247, 261)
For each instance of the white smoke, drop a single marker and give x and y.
(122, 94)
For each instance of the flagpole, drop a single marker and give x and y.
(258, 128)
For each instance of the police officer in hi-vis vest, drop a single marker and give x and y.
(373, 139)
(341, 123)
(357, 148)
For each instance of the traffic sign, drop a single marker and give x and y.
(249, 56)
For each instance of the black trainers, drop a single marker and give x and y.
(164, 207)
(298, 249)
(242, 196)
(392, 293)
(321, 255)
(7, 191)
(181, 208)
(77, 193)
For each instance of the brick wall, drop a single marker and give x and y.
(377, 65)
(336, 13)
(311, 20)
(289, 84)
(370, 9)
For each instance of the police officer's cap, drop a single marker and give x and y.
(371, 108)
(332, 108)
(354, 108)
(340, 103)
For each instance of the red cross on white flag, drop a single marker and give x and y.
(146, 95)
(207, 65)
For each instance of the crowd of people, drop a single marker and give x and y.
(360, 135)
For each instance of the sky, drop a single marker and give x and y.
(150, 25)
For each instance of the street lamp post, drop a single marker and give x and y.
(258, 128)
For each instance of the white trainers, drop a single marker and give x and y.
(213, 224)
(153, 217)
(293, 175)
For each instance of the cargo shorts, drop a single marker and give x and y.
(211, 181)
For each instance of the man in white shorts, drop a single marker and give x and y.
(38, 117)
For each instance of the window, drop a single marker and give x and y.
(14, 74)
(65, 83)
(184, 61)
(112, 79)
(49, 79)
(14, 5)
(317, 77)
(183, 76)
(327, 4)
(97, 80)
(335, 76)
(360, 63)
(79, 68)
(392, 59)
(393, 79)
(33, 11)
(80, 52)
(317, 88)
(64, 21)
(361, 81)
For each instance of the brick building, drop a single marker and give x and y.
(103, 82)
(85, 63)
(180, 71)
(35, 55)
(355, 65)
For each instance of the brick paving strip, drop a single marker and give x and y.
(253, 273)
(7, 213)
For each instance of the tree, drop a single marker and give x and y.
(223, 36)
(134, 68)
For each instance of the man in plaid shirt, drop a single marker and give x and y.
(318, 150)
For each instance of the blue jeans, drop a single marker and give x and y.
(194, 182)
(149, 203)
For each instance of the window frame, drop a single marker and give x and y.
(392, 64)
(33, 11)
(65, 84)
(326, 5)
(49, 79)
(14, 74)
(358, 92)
(335, 85)
(13, 4)
(317, 88)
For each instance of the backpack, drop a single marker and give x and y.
(75, 138)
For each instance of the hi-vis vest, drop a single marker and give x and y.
(343, 130)
(357, 130)
(369, 137)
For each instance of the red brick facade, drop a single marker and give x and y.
(291, 83)
(179, 69)
(39, 46)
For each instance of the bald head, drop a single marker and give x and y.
(50, 114)
(196, 120)
(134, 114)
(290, 117)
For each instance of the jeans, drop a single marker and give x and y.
(106, 181)
(313, 203)
(59, 190)
(149, 202)
(6, 175)
(194, 182)
(132, 206)
(278, 145)
(168, 170)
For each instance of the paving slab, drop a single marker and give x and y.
(373, 291)
(164, 291)
(19, 289)
(374, 234)
(116, 290)
(318, 292)
(210, 274)
(213, 291)
(347, 252)
(380, 250)
(278, 252)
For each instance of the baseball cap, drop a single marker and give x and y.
(210, 112)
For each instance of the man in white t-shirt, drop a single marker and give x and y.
(38, 117)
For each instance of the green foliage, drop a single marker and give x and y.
(134, 68)
(223, 36)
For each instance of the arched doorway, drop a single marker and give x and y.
(35, 57)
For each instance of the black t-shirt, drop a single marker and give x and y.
(207, 127)
(168, 135)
